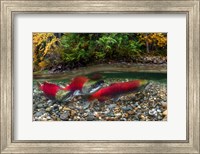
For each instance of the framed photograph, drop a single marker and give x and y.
(99, 76)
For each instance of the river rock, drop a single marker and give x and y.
(66, 109)
(110, 114)
(41, 105)
(131, 112)
(118, 115)
(64, 116)
(90, 118)
(73, 112)
(112, 106)
(164, 104)
(126, 108)
(152, 112)
(165, 113)
(125, 115)
(37, 114)
(86, 105)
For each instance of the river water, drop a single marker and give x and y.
(149, 104)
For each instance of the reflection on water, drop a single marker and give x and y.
(150, 76)
(105, 68)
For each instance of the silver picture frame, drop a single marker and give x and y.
(11, 7)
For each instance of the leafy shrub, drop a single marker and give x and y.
(75, 48)
(156, 41)
(72, 49)
(44, 45)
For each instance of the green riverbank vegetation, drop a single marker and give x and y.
(66, 51)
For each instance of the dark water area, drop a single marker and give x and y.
(158, 77)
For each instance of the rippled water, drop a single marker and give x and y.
(150, 76)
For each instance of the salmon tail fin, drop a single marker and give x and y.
(144, 83)
(148, 85)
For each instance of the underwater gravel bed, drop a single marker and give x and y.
(148, 104)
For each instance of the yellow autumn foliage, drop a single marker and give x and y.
(43, 64)
(154, 39)
(43, 44)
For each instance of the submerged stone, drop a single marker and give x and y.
(64, 116)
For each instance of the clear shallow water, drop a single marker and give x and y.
(148, 104)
